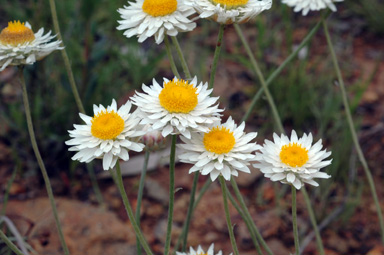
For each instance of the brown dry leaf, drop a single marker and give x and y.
(87, 229)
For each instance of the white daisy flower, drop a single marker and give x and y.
(145, 18)
(294, 161)
(109, 135)
(200, 251)
(20, 46)
(177, 107)
(230, 11)
(225, 149)
(311, 5)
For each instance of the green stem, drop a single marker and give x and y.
(119, 182)
(355, 139)
(260, 75)
(249, 217)
(247, 222)
(313, 221)
(10, 244)
(170, 57)
(75, 93)
(219, 44)
(275, 73)
(190, 210)
(40, 160)
(294, 221)
(184, 64)
(140, 196)
(95, 185)
(65, 58)
(227, 215)
(205, 187)
(269, 97)
(171, 194)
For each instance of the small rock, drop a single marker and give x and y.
(277, 247)
(155, 191)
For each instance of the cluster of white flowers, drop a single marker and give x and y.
(179, 107)
(213, 148)
(146, 18)
(186, 108)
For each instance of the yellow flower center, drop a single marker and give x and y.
(230, 4)
(293, 155)
(219, 140)
(107, 125)
(178, 96)
(16, 33)
(158, 8)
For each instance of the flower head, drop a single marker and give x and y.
(109, 135)
(224, 150)
(200, 251)
(230, 11)
(295, 161)
(145, 18)
(311, 5)
(152, 139)
(20, 46)
(177, 107)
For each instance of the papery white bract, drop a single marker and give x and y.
(147, 18)
(230, 11)
(294, 161)
(223, 150)
(20, 46)
(310, 5)
(200, 251)
(108, 135)
(178, 107)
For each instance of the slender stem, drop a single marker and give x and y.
(247, 222)
(205, 187)
(294, 221)
(184, 64)
(171, 194)
(170, 57)
(313, 221)
(269, 97)
(40, 160)
(280, 68)
(75, 92)
(95, 185)
(227, 215)
(10, 244)
(18, 238)
(190, 210)
(140, 196)
(219, 44)
(119, 182)
(257, 70)
(249, 217)
(353, 131)
(65, 58)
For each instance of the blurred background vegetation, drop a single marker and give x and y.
(107, 65)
